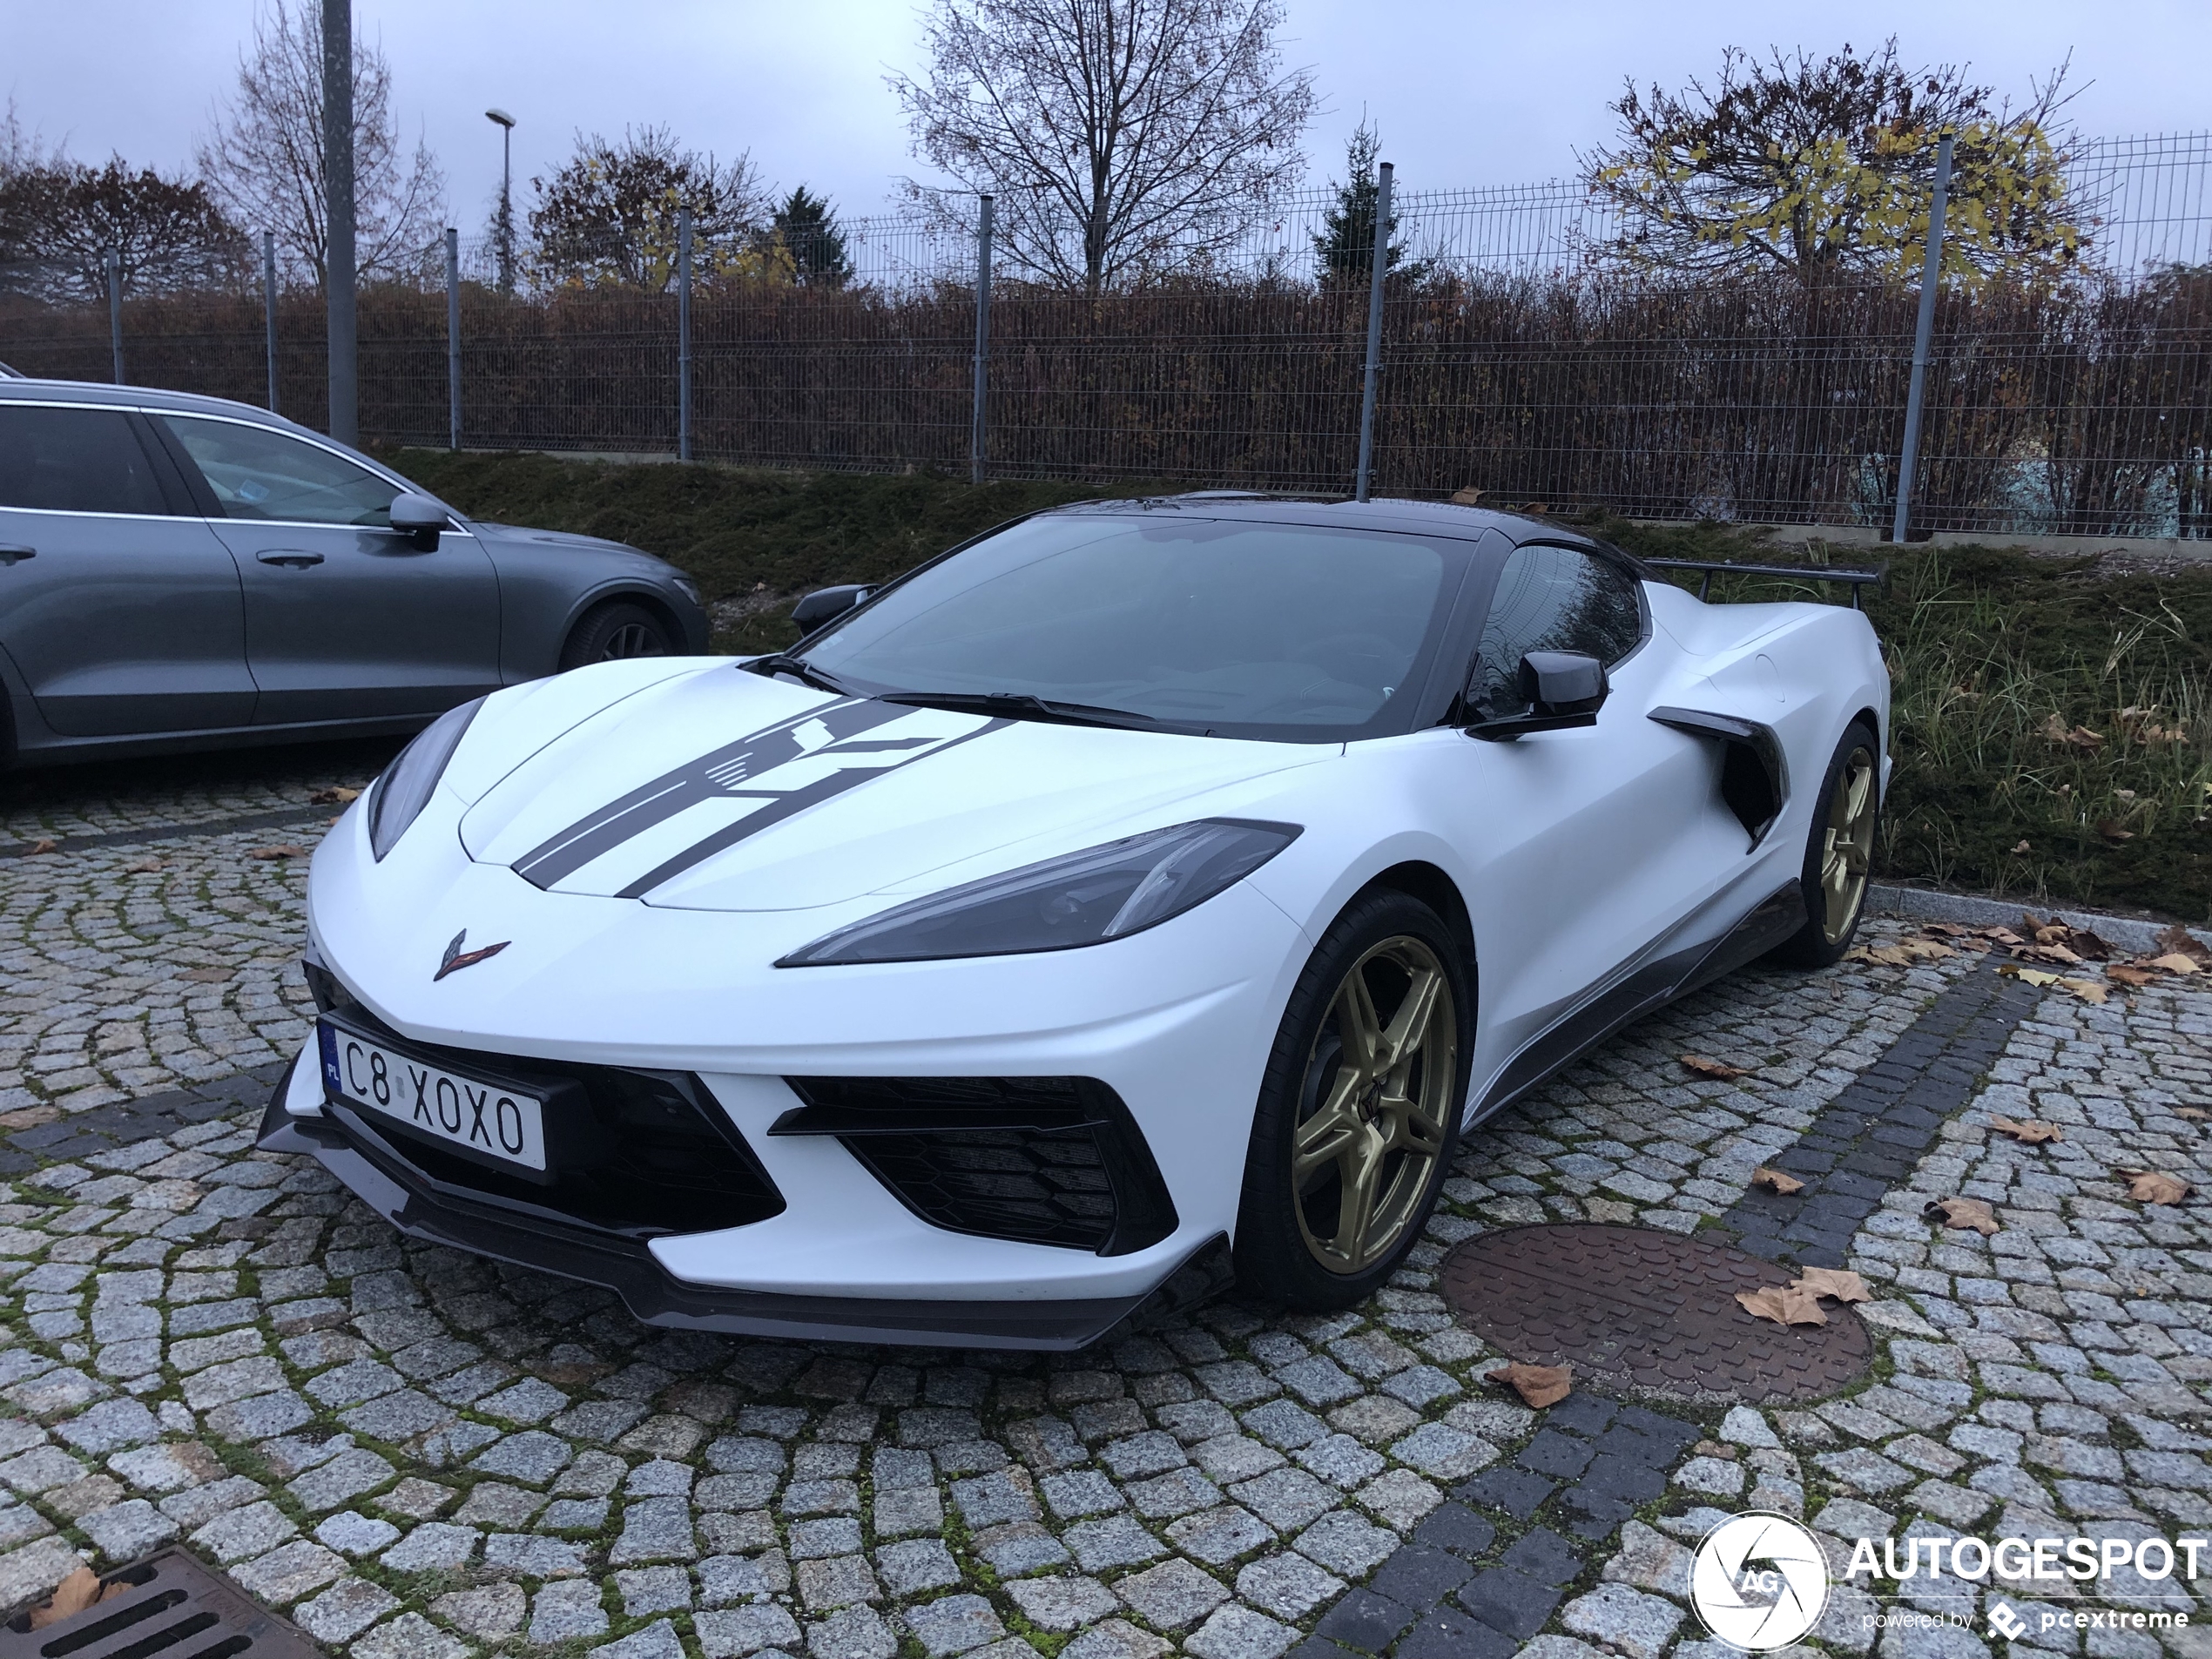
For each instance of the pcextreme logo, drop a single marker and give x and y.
(1759, 1581)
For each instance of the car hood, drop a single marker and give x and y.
(724, 790)
(495, 532)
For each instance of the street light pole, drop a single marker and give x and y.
(505, 232)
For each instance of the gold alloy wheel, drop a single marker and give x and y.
(1847, 846)
(1377, 1087)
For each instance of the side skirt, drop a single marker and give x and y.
(1652, 986)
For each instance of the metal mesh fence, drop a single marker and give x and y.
(1514, 360)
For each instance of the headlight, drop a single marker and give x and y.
(1083, 898)
(405, 787)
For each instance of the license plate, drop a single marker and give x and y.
(483, 1117)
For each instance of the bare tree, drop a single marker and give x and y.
(608, 215)
(263, 160)
(1120, 137)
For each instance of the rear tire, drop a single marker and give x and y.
(1358, 1112)
(616, 632)
(1838, 852)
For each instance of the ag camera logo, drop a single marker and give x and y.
(1759, 1581)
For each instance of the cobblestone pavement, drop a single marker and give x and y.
(420, 1455)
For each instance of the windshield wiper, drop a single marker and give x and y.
(800, 669)
(1022, 705)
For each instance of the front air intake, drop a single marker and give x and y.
(1039, 1160)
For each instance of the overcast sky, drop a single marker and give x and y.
(1464, 93)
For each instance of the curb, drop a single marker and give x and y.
(1976, 910)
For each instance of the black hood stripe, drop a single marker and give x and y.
(780, 807)
(736, 770)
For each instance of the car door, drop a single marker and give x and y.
(1594, 843)
(346, 619)
(119, 609)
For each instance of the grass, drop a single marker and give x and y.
(2053, 729)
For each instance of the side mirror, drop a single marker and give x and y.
(419, 518)
(1562, 689)
(825, 604)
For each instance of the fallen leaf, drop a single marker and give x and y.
(1964, 1213)
(2128, 976)
(2148, 1186)
(2035, 1132)
(1840, 1283)
(144, 866)
(2030, 975)
(2088, 990)
(71, 1596)
(2002, 935)
(2113, 830)
(288, 850)
(1718, 1071)
(1784, 1304)
(336, 795)
(1776, 1181)
(1467, 497)
(2058, 954)
(1947, 929)
(38, 846)
(2180, 940)
(2196, 1113)
(1538, 1386)
(2174, 963)
(2021, 848)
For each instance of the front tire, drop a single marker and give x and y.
(615, 632)
(1358, 1110)
(1839, 852)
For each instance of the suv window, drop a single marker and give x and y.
(75, 460)
(1552, 599)
(256, 473)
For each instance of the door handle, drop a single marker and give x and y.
(289, 558)
(10, 555)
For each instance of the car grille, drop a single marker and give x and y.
(1039, 1160)
(631, 1152)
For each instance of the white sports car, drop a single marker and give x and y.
(1142, 889)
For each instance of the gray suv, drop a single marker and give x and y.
(184, 572)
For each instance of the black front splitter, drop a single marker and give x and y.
(430, 1209)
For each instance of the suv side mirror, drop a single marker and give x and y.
(1562, 688)
(419, 518)
(825, 604)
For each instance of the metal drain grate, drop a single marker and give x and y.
(174, 1607)
(1637, 1311)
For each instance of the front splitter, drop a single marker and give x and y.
(436, 1213)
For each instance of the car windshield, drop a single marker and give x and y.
(1237, 628)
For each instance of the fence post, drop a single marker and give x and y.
(1908, 459)
(1376, 271)
(683, 334)
(976, 436)
(268, 309)
(453, 337)
(115, 310)
(338, 274)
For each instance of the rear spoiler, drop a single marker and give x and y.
(1857, 579)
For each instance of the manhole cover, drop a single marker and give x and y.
(166, 1604)
(1637, 1311)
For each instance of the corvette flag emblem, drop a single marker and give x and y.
(456, 959)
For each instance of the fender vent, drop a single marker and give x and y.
(173, 1607)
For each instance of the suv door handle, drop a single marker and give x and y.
(289, 557)
(10, 555)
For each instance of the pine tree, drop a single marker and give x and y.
(1344, 249)
(807, 227)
